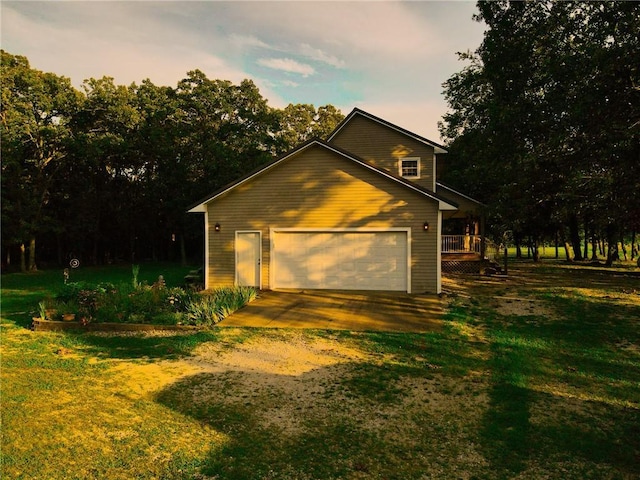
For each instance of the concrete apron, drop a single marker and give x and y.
(340, 310)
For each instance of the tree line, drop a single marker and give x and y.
(544, 125)
(105, 173)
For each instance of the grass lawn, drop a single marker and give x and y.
(532, 376)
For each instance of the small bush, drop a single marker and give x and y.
(178, 298)
(157, 304)
(70, 291)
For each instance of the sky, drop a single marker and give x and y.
(388, 58)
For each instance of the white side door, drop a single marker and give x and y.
(248, 258)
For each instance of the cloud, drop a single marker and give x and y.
(390, 58)
(247, 41)
(287, 65)
(320, 56)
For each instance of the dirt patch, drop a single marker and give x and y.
(294, 355)
(522, 307)
(285, 375)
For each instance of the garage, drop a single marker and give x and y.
(341, 260)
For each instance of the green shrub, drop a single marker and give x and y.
(107, 302)
(170, 318)
(70, 291)
(110, 313)
(178, 298)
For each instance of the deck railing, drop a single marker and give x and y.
(461, 244)
(471, 244)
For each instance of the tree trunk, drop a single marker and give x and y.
(612, 245)
(183, 251)
(59, 249)
(634, 251)
(132, 248)
(94, 254)
(557, 245)
(574, 234)
(32, 255)
(622, 247)
(23, 260)
(594, 246)
(534, 249)
(563, 239)
(585, 255)
(506, 259)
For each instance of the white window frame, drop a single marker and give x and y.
(413, 159)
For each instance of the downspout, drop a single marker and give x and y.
(439, 253)
(206, 248)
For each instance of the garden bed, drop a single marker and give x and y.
(137, 306)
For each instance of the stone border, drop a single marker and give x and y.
(40, 325)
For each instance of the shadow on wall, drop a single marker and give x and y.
(320, 190)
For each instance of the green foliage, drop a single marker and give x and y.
(107, 302)
(135, 270)
(107, 172)
(543, 126)
(42, 309)
(209, 309)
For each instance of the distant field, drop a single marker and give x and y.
(536, 375)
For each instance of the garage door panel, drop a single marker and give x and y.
(341, 260)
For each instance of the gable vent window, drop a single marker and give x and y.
(410, 167)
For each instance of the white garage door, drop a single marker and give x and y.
(340, 260)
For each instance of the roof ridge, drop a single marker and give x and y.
(386, 123)
(329, 146)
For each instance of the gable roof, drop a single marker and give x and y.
(356, 111)
(443, 203)
(456, 192)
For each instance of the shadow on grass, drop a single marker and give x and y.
(156, 346)
(591, 321)
(506, 432)
(325, 442)
(525, 424)
(274, 431)
(143, 346)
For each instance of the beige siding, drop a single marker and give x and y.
(383, 147)
(318, 188)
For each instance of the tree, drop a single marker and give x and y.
(546, 116)
(108, 172)
(301, 122)
(36, 110)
